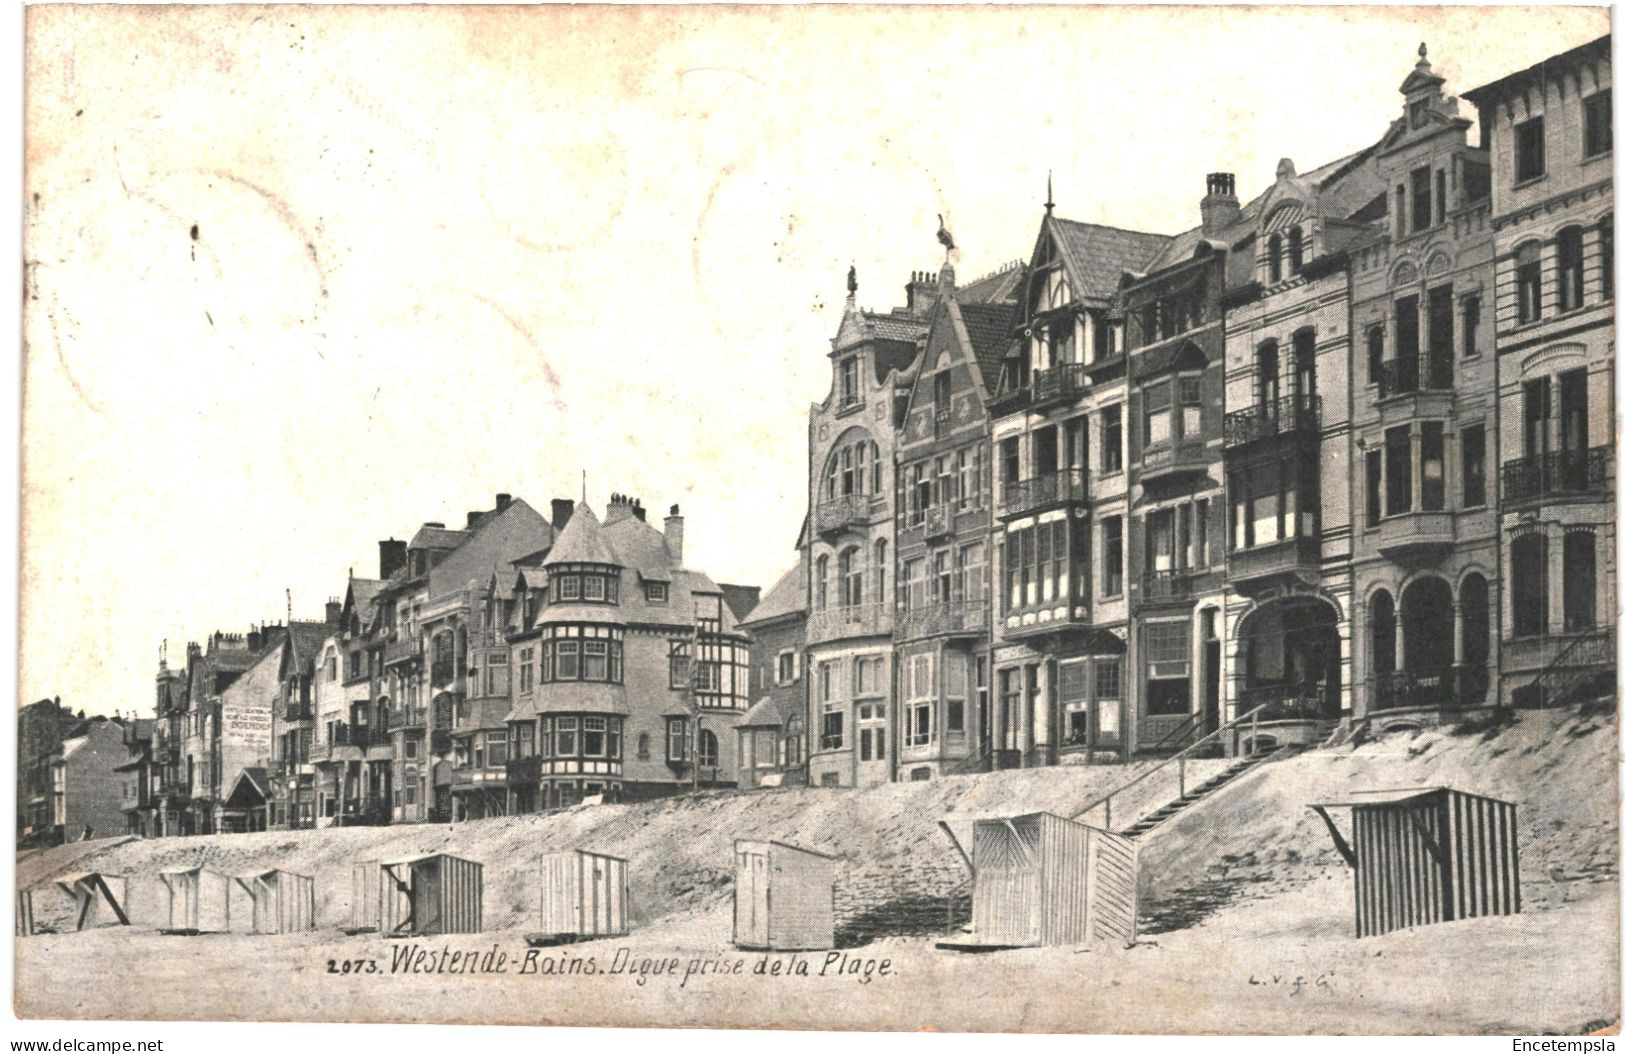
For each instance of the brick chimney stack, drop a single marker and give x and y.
(1220, 208)
(391, 556)
(674, 535)
(563, 509)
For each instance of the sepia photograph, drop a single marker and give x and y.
(840, 518)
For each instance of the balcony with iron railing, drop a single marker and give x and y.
(1041, 388)
(1289, 416)
(1412, 376)
(296, 711)
(851, 620)
(402, 650)
(1170, 584)
(939, 522)
(1291, 702)
(1067, 486)
(405, 718)
(847, 511)
(1561, 473)
(944, 619)
(1444, 689)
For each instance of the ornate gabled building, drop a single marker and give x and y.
(943, 532)
(1287, 450)
(851, 501)
(1422, 418)
(631, 674)
(1061, 493)
(1548, 131)
(279, 690)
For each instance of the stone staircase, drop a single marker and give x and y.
(1203, 790)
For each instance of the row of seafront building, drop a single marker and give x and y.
(1335, 455)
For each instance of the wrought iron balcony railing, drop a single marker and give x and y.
(1063, 487)
(848, 510)
(1555, 474)
(1285, 415)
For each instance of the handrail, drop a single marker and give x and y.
(1558, 666)
(1178, 730)
(1179, 757)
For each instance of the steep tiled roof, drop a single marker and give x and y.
(436, 538)
(581, 542)
(989, 327)
(785, 598)
(1001, 285)
(307, 638)
(895, 327)
(768, 712)
(1099, 255)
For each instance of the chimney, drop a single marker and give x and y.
(473, 518)
(1219, 207)
(638, 510)
(391, 557)
(562, 509)
(922, 291)
(674, 535)
(503, 501)
(254, 640)
(335, 611)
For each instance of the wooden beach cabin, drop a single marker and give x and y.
(277, 902)
(435, 893)
(1422, 855)
(366, 897)
(199, 901)
(1041, 879)
(89, 896)
(583, 897)
(784, 897)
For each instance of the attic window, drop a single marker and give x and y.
(655, 592)
(1419, 113)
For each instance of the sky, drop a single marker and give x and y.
(301, 279)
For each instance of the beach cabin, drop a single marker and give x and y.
(277, 902)
(1041, 879)
(583, 897)
(435, 893)
(79, 901)
(784, 897)
(366, 899)
(1422, 855)
(199, 901)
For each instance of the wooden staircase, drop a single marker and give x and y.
(1202, 790)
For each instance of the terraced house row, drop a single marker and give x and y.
(1336, 455)
(516, 663)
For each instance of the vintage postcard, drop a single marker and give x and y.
(1051, 519)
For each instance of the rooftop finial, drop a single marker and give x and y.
(943, 236)
(852, 281)
(1422, 52)
(1049, 191)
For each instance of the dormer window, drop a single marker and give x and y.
(655, 592)
(1274, 259)
(589, 583)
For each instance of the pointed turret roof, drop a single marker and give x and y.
(582, 541)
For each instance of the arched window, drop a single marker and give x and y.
(1529, 584)
(1579, 581)
(1268, 382)
(1294, 248)
(822, 580)
(1382, 633)
(1274, 258)
(708, 748)
(880, 571)
(1526, 260)
(1570, 269)
(1475, 638)
(1303, 363)
(851, 573)
(792, 741)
